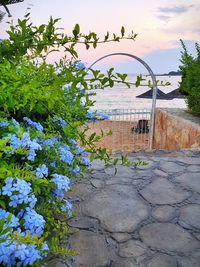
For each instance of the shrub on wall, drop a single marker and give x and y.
(43, 110)
(190, 83)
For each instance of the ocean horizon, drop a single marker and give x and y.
(122, 97)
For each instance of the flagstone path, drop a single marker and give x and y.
(149, 217)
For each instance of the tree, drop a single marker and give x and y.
(190, 82)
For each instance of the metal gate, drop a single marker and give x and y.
(132, 129)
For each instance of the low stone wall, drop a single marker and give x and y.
(176, 129)
(122, 137)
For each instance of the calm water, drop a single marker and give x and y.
(121, 97)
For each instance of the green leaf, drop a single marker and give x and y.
(76, 30)
(2, 204)
(122, 31)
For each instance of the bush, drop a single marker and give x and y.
(44, 111)
(190, 83)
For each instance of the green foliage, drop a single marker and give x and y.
(31, 87)
(190, 83)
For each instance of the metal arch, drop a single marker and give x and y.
(153, 77)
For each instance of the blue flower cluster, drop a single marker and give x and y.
(62, 182)
(55, 155)
(42, 171)
(67, 206)
(25, 142)
(86, 161)
(93, 116)
(14, 254)
(48, 143)
(4, 123)
(79, 65)
(33, 124)
(14, 141)
(15, 123)
(14, 222)
(33, 222)
(19, 192)
(65, 154)
(60, 122)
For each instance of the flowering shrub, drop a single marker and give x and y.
(43, 145)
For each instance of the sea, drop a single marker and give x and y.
(124, 98)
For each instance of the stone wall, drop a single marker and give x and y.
(176, 129)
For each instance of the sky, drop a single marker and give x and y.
(160, 24)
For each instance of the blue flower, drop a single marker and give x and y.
(7, 250)
(93, 116)
(67, 87)
(65, 154)
(26, 141)
(76, 170)
(19, 192)
(67, 206)
(14, 222)
(15, 123)
(45, 249)
(53, 164)
(72, 141)
(4, 123)
(42, 171)
(48, 143)
(102, 116)
(31, 155)
(14, 141)
(79, 151)
(8, 188)
(90, 115)
(86, 162)
(59, 122)
(34, 222)
(33, 124)
(14, 254)
(32, 255)
(79, 65)
(58, 193)
(32, 145)
(61, 181)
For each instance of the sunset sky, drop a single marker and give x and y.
(159, 24)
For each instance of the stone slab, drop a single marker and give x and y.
(193, 168)
(93, 249)
(118, 208)
(162, 191)
(132, 248)
(190, 215)
(190, 180)
(171, 167)
(97, 183)
(125, 263)
(162, 260)
(98, 164)
(168, 236)
(163, 213)
(160, 173)
(83, 223)
(122, 171)
(121, 237)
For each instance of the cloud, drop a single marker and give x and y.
(163, 17)
(175, 9)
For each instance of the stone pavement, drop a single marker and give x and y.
(149, 217)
